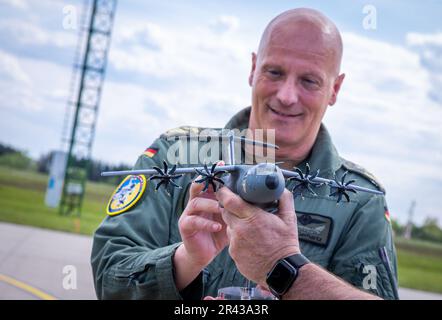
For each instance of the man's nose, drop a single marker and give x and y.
(288, 93)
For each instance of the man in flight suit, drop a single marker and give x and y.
(188, 244)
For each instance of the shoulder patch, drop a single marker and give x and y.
(126, 195)
(150, 152)
(387, 214)
(353, 167)
(186, 131)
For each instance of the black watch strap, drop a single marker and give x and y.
(297, 260)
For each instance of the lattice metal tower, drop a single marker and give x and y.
(86, 86)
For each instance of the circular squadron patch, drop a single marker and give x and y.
(126, 195)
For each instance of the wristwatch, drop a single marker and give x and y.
(284, 273)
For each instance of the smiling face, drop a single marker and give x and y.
(294, 78)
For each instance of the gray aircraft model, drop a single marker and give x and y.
(261, 184)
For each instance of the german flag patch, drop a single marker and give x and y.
(387, 215)
(150, 152)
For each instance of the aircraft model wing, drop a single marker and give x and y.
(331, 183)
(149, 172)
(339, 188)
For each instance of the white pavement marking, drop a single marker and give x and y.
(37, 257)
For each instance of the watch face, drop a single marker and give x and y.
(281, 277)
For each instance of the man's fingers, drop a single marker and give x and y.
(196, 190)
(191, 221)
(228, 218)
(286, 209)
(221, 163)
(234, 204)
(228, 233)
(190, 224)
(202, 205)
(197, 187)
(286, 203)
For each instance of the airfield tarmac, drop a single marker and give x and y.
(39, 264)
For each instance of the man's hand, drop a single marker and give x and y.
(201, 226)
(258, 239)
(203, 232)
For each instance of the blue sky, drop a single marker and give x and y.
(186, 62)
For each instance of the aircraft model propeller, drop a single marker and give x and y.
(166, 177)
(305, 182)
(209, 177)
(340, 189)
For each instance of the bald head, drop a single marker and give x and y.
(308, 26)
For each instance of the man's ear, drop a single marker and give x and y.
(336, 87)
(252, 72)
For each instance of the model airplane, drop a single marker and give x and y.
(261, 184)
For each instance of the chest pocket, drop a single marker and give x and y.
(320, 224)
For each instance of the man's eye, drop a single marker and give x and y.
(274, 73)
(311, 83)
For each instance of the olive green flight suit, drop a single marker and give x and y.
(132, 252)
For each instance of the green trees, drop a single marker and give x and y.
(18, 159)
(429, 230)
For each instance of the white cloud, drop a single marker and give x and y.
(132, 116)
(429, 48)
(10, 68)
(225, 23)
(18, 4)
(32, 103)
(170, 52)
(31, 33)
(194, 89)
(421, 39)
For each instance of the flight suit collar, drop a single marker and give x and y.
(323, 155)
(239, 120)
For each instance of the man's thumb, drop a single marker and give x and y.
(286, 209)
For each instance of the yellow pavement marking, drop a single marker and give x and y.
(34, 291)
